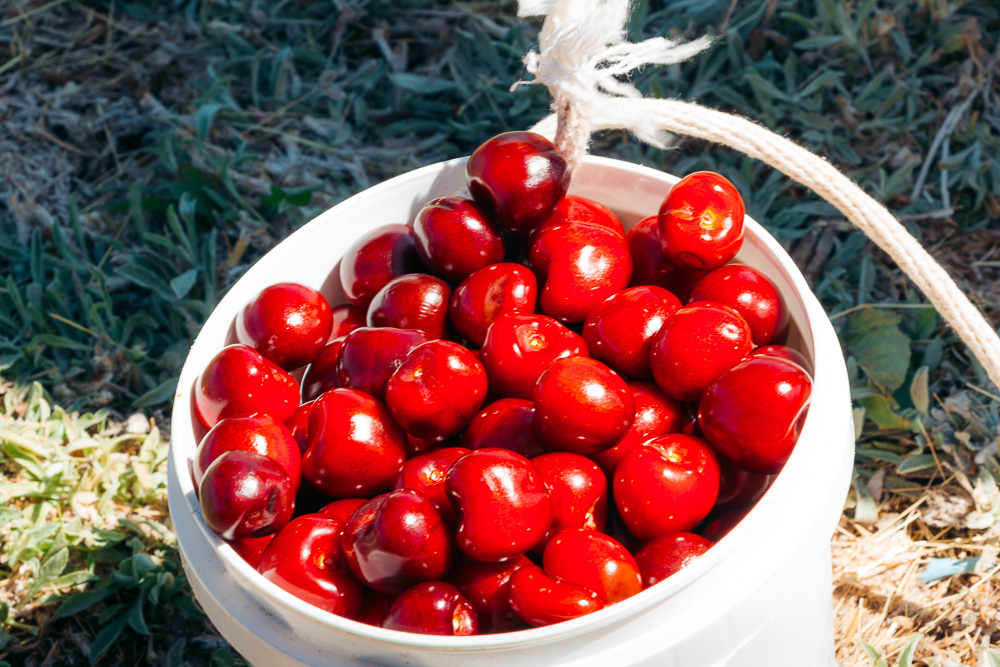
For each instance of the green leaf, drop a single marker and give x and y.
(906, 654)
(78, 602)
(819, 42)
(223, 657)
(71, 579)
(183, 283)
(874, 655)
(203, 119)
(421, 84)
(880, 348)
(866, 510)
(919, 392)
(53, 566)
(175, 656)
(158, 395)
(916, 462)
(879, 411)
(106, 637)
(992, 659)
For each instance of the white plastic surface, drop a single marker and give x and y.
(761, 597)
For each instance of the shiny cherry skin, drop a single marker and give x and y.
(437, 390)
(661, 557)
(346, 318)
(593, 560)
(246, 494)
(505, 424)
(397, 540)
(287, 323)
(370, 355)
(321, 375)
(539, 600)
(251, 549)
(574, 208)
(342, 509)
(756, 435)
(698, 343)
(651, 267)
(502, 504)
(581, 406)
(298, 425)
(655, 414)
(786, 353)
(619, 331)
(455, 238)
(738, 488)
(519, 347)
(751, 294)
(427, 472)
(305, 559)
(500, 289)
(717, 526)
(432, 608)
(414, 301)
(666, 485)
(579, 493)
(238, 382)
(701, 221)
(258, 433)
(518, 177)
(355, 448)
(578, 265)
(484, 585)
(374, 606)
(376, 258)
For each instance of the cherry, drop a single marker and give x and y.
(342, 509)
(506, 424)
(500, 289)
(246, 494)
(666, 485)
(414, 301)
(714, 528)
(595, 561)
(581, 406)
(370, 355)
(655, 414)
(747, 291)
(756, 435)
(661, 557)
(346, 318)
(305, 560)
(518, 177)
(651, 267)
(541, 600)
(619, 331)
(455, 237)
(519, 347)
(298, 425)
(786, 353)
(257, 433)
(432, 608)
(695, 345)
(503, 506)
(374, 607)
(376, 258)
(427, 472)
(578, 490)
(701, 221)
(238, 382)
(251, 549)
(738, 488)
(574, 208)
(321, 374)
(287, 323)
(355, 449)
(397, 540)
(437, 390)
(484, 585)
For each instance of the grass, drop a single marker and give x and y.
(151, 152)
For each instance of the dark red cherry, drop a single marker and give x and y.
(651, 267)
(500, 289)
(257, 433)
(591, 559)
(578, 490)
(346, 318)
(376, 258)
(427, 472)
(370, 355)
(238, 382)
(455, 238)
(538, 599)
(661, 557)
(432, 608)
(751, 294)
(287, 323)
(321, 374)
(342, 509)
(506, 424)
(245, 494)
(484, 585)
(573, 209)
(655, 414)
(414, 301)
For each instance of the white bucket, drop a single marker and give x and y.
(761, 597)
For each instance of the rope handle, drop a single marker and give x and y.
(582, 53)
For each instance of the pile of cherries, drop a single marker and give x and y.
(522, 414)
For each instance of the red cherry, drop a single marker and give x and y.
(245, 494)
(397, 540)
(666, 485)
(655, 414)
(578, 265)
(287, 323)
(574, 208)
(701, 221)
(505, 424)
(346, 318)
(581, 406)
(619, 331)
(321, 375)
(298, 424)
(519, 177)
(484, 585)
(786, 353)
(503, 506)
(432, 608)
(500, 289)
(714, 528)
(695, 345)
(667, 555)
(651, 267)
(342, 509)
(541, 600)
(251, 549)
(455, 237)
(738, 488)
(578, 490)
(376, 258)
(370, 355)
(756, 435)
(305, 560)
(374, 607)
(257, 433)
(238, 382)
(427, 472)
(593, 560)
(437, 390)
(414, 301)
(355, 449)
(749, 292)
(519, 347)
